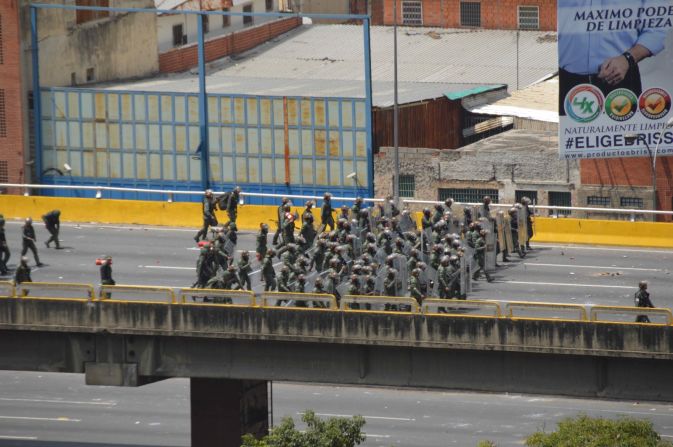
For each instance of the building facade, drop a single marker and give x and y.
(489, 14)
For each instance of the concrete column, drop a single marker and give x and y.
(223, 410)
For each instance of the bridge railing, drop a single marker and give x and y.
(431, 307)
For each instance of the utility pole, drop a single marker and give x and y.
(396, 142)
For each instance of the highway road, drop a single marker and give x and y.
(58, 410)
(167, 256)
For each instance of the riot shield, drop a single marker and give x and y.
(407, 223)
(489, 256)
(523, 227)
(465, 283)
(430, 276)
(508, 234)
(229, 248)
(400, 264)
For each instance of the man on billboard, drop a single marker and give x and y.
(601, 43)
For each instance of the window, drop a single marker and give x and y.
(179, 37)
(468, 195)
(226, 20)
(269, 5)
(598, 201)
(4, 171)
(521, 193)
(470, 14)
(558, 198)
(1, 53)
(206, 24)
(631, 202)
(529, 17)
(83, 16)
(73, 79)
(407, 186)
(248, 20)
(3, 115)
(90, 75)
(412, 12)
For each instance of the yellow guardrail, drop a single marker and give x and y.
(217, 296)
(49, 290)
(632, 312)
(289, 300)
(6, 289)
(389, 304)
(577, 309)
(433, 306)
(166, 293)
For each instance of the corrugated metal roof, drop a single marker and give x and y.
(327, 60)
(460, 94)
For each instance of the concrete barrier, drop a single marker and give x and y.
(181, 214)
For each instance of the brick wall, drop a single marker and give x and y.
(184, 58)
(631, 175)
(12, 140)
(495, 14)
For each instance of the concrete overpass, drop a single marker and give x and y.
(230, 352)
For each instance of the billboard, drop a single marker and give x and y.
(615, 78)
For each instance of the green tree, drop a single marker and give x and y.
(333, 432)
(584, 431)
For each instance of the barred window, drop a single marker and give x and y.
(521, 193)
(470, 14)
(598, 201)
(226, 20)
(560, 198)
(412, 12)
(529, 17)
(407, 186)
(248, 20)
(631, 202)
(468, 195)
(3, 114)
(269, 5)
(1, 53)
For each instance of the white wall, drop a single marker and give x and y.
(189, 23)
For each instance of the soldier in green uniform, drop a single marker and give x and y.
(307, 211)
(480, 256)
(454, 277)
(308, 231)
(281, 217)
(318, 256)
(390, 283)
(106, 275)
(642, 299)
(22, 273)
(52, 222)
(268, 273)
(415, 286)
(284, 281)
(436, 256)
(219, 244)
(261, 240)
(208, 210)
(356, 208)
(288, 227)
(438, 215)
(326, 218)
(4, 248)
(29, 240)
(443, 275)
(231, 205)
(244, 270)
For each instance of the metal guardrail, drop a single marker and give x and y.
(126, 291)
(578, 311)
(349, 303)
(355, 303)
(216, 296)
(461, 308)
(170, 193)
(620, 314)
(299, 300)
(54, 290)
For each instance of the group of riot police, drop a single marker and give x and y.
(366, 251)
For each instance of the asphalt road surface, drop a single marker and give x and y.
(167, 257)
(58, 410)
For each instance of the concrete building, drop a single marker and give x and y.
(176, 30)
(76, 47)
(489, 14)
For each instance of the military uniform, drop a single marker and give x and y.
(415, 289)
(268, 274)
(29, 242)
(209, 218)
(53, 224)
(480, 256)
(261, 246)
(232, 204)
(22, 273)
(244, 270)
(326, 218)
(4, 248)
(642, 299)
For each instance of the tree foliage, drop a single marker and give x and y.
(584, 431)
(333, 432)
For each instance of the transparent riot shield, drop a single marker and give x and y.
(508, 234)
(407, 223)
(523, 227)
(491, 240)
(229, 248)
(465, 283)
(400, 264)
(430, 276)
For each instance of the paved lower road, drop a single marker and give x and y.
(58, 410)
(166, 257)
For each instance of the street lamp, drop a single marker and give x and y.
(633, 138)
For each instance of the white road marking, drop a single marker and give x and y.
(379, 436)
(632, 250)
(596, 267)
(19, 438)
(530, 283)
(51, 401)
(27, 418)
(166, 267)
(384, 418)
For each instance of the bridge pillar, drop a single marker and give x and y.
(223, 410)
